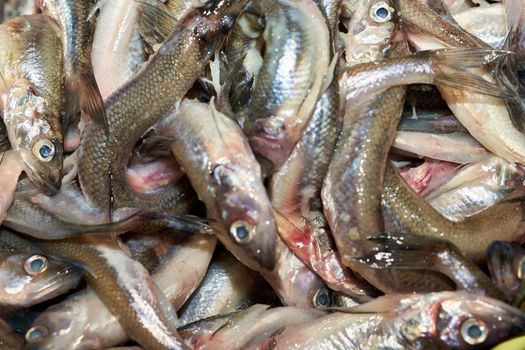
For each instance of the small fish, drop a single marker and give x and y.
(32, 92)
(130, 293)
(220, 165)
(29, 279)
(168, 77)
(84, 321)
(477, 187)
(296, 61)
(77, 28)
(446, 320)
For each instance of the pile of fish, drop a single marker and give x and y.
(262, 174)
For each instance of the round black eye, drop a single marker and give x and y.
(44, 150)
(35, 264)
(36, 334)
(322, 298)
(241, 231)
(474, 331)
(381, 12)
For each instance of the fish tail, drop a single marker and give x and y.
(91, 101)
(452, 70)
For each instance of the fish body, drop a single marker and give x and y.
(32, 96)
(77, 28)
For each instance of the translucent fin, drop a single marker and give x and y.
(156, 22)
(467, 57)
(461, 79)
(91, 101)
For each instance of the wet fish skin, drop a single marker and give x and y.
(219, 163)
(33, 97)
(246, 328)
(77, 29)
(418, 321)
(472, 236)
(227, 287)
(284, 95)
(130, 293)
(167, 76)
(29, 279)
(83, 321)
(505, 263)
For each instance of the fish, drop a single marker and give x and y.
(77, 29)
(222, 169)
(485, 22)
(131, 294)
(477, 187)
(246, 328)
(285, 94)
(29, 279)
(168, 75)
(117, 52)
(505, 261)
(227, 287)
(84, 321)
(446, 320)
(32, 96)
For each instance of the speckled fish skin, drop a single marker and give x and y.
(420, 321)
(130, 293)
(246, 328)
(217, 159)
(9, 340)
(505, 261)
(227, 287)
(167, 76)
(32, 95)
(83, 321)
(21, 287)
(352, 187)
(77, 30)
(405, 211)
(290, 80)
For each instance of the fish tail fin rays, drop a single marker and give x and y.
(91, 101)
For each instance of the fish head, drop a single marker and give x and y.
(506, 262)
(35, 133)
(32, 278)
(370, 31)
(461, 320)
(245, 214)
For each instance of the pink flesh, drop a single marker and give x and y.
(72, 140)
(10, 170)
(151, 176)
(429, 175)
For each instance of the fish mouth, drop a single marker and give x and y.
(47, 184)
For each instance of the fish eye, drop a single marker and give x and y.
(44, 150)
(381, 12)
(322, 298)
(241, 231)
(35, 264)
(36, 334)
(474, 331)
(520, 268)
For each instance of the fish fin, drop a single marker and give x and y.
(458, 78)
(72, 101)
(189, 224)
(91, 101)
(156, 22)
(466, 57)
(382, 304)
